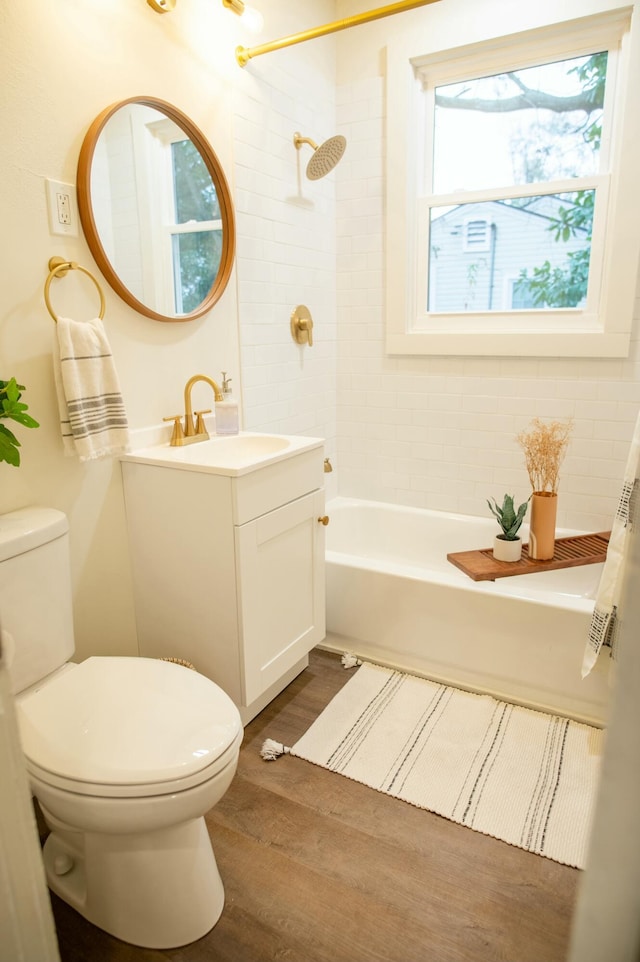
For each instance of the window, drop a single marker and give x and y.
(516, 297)
(544, 239)
(195, 228)
(538, 126)
(508, 226)
(180, 214)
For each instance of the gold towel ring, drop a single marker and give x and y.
(58, 267)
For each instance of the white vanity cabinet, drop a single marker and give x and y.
(228, 569)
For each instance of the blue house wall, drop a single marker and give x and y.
(475, 270)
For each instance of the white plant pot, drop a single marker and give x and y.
(504, 550)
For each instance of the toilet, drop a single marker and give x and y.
(125, 755)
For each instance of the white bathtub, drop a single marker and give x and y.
(393, 598)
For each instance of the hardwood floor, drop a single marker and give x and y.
(318, 868)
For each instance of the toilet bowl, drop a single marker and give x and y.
(125, 756)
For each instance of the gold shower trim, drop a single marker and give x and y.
(245, 54)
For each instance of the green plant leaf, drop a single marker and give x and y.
(19, 414)
(9, 445)
(506, 516)
(11, 388)
(11, 407)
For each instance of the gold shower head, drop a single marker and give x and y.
(325, 157)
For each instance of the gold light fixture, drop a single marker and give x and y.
(165, 6)
(245, 54)
(251, 17)
(162, 6)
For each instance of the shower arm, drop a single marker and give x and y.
(245, 54)
(299, 140)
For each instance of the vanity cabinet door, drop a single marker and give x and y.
(281, 590)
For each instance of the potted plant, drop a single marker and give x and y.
(12, 407)
(544, 447)
(508, 545)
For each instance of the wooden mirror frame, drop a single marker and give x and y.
(89, 226)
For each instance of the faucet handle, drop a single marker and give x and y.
(178, 431)
(201, 427)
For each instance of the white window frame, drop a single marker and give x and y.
(602, 327)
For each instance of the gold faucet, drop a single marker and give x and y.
(192, 431)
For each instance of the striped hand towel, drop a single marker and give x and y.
(92, 415)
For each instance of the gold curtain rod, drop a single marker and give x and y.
(245, 54)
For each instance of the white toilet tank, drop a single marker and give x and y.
(36, 615)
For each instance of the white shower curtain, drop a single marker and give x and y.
(604, 621)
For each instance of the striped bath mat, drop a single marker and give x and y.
(519, 775)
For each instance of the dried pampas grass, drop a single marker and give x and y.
(544, 447)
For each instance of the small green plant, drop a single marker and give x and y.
(508, 518)
(11, 407)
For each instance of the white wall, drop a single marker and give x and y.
(439, 432)
(286, 229)
(61, 65)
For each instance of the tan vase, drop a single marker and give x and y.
(542, 526)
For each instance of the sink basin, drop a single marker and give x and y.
(237, 450)
(231, 454)
(246, 446)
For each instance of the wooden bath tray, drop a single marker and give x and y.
(583, 549)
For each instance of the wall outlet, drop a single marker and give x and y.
(61, 204)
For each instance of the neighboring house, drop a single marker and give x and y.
(478, 251)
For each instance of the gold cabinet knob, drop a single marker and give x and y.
(324, 520)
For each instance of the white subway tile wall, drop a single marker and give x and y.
(435, 432)
(439, 432)
(286, 243)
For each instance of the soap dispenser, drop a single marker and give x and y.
(227, 414)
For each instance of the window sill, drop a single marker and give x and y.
(472, 342)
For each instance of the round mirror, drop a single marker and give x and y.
(156, 209)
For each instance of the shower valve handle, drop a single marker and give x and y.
(307, 326)
(302, 325)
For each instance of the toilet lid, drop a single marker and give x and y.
(134, 721)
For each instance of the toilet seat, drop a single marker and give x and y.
(135, 727)
(138, 791)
